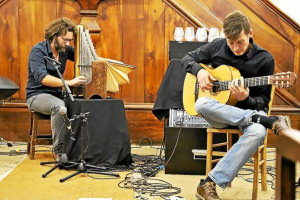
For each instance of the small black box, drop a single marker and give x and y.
(178, 49)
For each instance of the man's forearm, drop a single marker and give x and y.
(52, 81)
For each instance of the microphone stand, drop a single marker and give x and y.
(56, 65)
(82, 167)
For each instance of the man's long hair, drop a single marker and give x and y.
(234, 23)
(59, 27)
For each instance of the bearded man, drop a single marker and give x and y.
(44, 87)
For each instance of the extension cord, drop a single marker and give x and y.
(136, 177)
(176, 198)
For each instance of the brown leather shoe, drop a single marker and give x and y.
(282, 123)
(207, 191)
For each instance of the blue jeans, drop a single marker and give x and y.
(49, 105)
(220, 116)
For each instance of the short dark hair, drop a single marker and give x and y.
(234, 23)
(59, 27)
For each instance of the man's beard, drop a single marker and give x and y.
(58, 47)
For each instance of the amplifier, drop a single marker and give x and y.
(179, 153)
(186, 150)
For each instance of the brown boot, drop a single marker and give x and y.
(207, 191)
(282, 123)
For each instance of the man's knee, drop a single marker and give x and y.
(202, 104)
(55, 107)
(260, 132)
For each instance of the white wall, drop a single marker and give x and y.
(289, 7)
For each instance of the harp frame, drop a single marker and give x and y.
(98, 84)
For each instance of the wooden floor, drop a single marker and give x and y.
(241, 188)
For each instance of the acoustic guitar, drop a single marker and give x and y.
(220, 91)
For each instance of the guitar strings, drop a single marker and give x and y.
(249, 82)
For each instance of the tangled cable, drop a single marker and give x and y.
(144, 186)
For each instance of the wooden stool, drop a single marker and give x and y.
(34, 136)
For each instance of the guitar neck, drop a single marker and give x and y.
(249, 82)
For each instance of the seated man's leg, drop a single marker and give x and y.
(49, 105)
(219, 115)
(228, 167)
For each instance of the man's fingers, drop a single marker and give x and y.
(242, 83)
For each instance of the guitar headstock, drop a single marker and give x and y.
(283, 79)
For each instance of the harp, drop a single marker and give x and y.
(103, 75)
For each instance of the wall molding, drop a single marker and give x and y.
(2, 2)
(281, 14)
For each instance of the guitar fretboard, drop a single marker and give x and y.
(249, 82)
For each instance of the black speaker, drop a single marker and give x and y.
(7, 87)
(183, 160)
(178, 49)
(103, 137)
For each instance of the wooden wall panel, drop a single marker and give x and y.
(133, 48)
(109, 43)
(154, 48)
(143, 124)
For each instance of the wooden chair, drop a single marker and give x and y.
(259, 157)
(34, 135)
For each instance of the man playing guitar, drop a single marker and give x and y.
(250, 112)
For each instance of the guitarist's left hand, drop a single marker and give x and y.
(239, 91)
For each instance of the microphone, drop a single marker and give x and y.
(63, 112)
(52, 61)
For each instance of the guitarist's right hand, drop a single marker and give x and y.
(205, 80)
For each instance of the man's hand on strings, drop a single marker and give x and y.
(79, 80)
(239, 91)
(205, 80)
